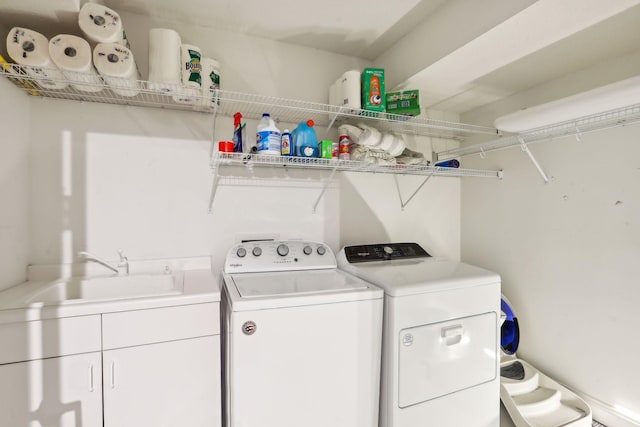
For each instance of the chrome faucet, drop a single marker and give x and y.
(123, 263)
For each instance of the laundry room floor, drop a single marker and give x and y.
(505, 419)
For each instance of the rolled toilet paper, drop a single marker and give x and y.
(191, 66)
(210, 81)
(117, 67)
(72, 54)
(164, 60)
(99, 24)
(31, 49)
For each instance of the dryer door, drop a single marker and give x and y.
(445, 357)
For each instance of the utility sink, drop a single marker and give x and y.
(103, 288)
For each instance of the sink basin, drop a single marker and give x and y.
(101, 288)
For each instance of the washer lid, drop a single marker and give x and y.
(260, 285)
(415, 276)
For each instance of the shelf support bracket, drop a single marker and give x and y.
(213, 133)
(524, 147)
(324, 188)
(404, 204)
(333, 120)
(214, 186)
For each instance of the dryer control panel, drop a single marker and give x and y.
(383, 252)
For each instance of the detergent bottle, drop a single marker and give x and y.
(306, 140)
(268, 136)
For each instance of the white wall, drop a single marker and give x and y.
(567, 250)
(14, 184)
(111, 177)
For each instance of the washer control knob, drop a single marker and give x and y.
(307, 250)
(241, 252)
(283, 250)
(322, 250)
(388, 250)
(256, 251)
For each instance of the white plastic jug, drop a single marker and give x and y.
(268, 136)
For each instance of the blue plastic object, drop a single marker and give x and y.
(509, 332)
(306, 140)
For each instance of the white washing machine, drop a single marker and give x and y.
(440, 360)
(302, 339)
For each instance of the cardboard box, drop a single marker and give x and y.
(405, 103)
(373, 92)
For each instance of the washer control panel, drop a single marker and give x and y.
(384, 252)
(278, 255)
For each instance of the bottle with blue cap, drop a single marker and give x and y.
(268, 136)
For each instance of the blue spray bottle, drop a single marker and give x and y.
(237, 133)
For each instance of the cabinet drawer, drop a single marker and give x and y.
(40, 339)
(155, 325)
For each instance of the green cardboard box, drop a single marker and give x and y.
(373, 92)
(405, 103)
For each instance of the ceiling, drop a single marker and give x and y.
(463, 53)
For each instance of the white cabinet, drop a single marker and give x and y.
(163, 385)
(154, 367)
(161, 367)
(56, 392)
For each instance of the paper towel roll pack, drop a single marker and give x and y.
(191, 67)
(30, 48)
(72, 54)
(164, 60)
(117, 67)
(210, 80)
(99, 24)
(345, 92)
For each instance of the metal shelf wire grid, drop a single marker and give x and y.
(606, 120)
(45, 82)
(264, 160)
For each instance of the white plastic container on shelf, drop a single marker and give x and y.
(268, 136)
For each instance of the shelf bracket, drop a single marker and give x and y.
(324, 188)
(524, 147)
(404, 204)
(213, 133)
(214, 186)
(333, 120)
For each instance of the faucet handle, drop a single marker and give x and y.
(121, 254)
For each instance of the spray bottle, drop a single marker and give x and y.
(237, 133)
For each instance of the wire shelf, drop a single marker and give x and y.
(264, 160)
(54, 83)
(605, 120)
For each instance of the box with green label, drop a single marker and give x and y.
(405, 103)
(373, 91)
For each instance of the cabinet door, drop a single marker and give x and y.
(56, 392)
(169, 384)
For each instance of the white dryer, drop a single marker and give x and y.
(302, 339)
(440, 360)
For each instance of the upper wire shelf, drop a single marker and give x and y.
(54, 83)
(265, 160)
(605, 120)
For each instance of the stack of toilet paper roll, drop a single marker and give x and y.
(31, 49)
(111, 55)
(99, 24)
(117, 67)
(73, 56)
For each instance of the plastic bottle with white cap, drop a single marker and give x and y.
(268, 136)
